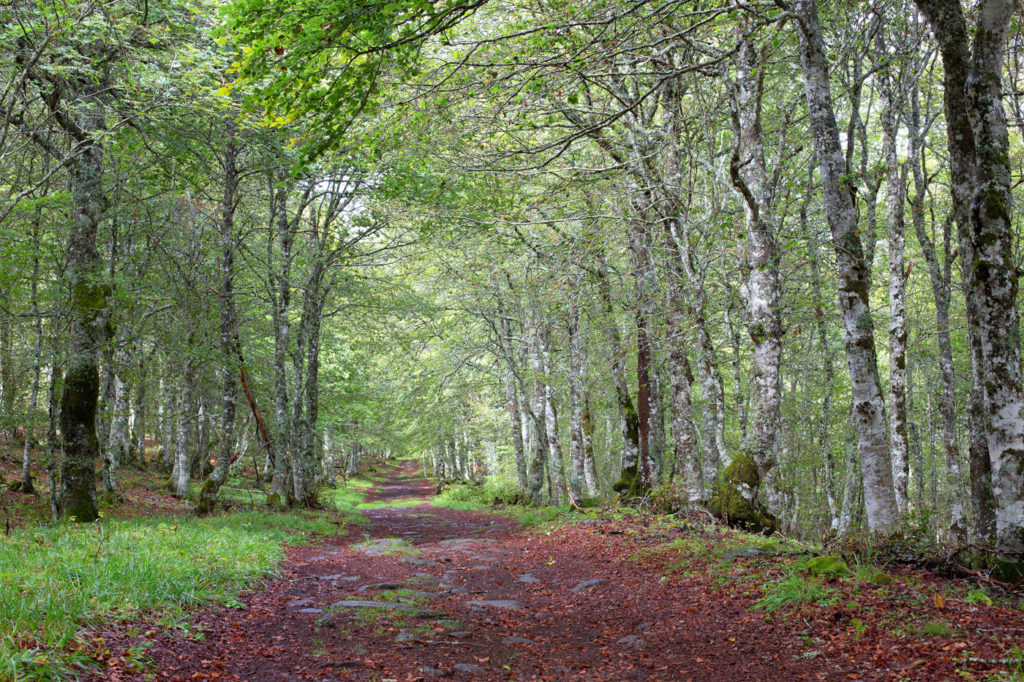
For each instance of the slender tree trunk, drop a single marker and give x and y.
(537, 415)
(557, 486)
(589, 466)
(27, 485)
(940, 275)
(894, 202)
(577, 474)
(282, 333)
(117, 448)
(181, 475)
(628, 419)
(512, 400)
(228, 327)
(763, 290)
(854, 294)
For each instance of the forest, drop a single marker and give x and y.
(759, 258)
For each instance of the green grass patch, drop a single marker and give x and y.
(467, 496)
(795, 590)
(55, 581)
(400, 502)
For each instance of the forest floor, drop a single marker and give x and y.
(423, 592)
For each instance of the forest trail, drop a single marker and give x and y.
(423, 593)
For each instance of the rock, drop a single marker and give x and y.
(333, 576)
(632, 641)
(743, 553)
(516, 640)
(404, 637)
(455, 589)
(381, 586)
(432, 671)
(826, 567)
(447, 623)
(311, 610)
(469, 668)
(460, 634)
(587, 584)
(527, 578)
(497, 603)
(301, 602)
(360, 604)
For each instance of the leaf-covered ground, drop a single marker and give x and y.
(425, 593)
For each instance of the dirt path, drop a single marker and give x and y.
(426, 593)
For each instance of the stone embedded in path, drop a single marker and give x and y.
(381, 587)
(469, 668)
(311, 610)
(405, 637)
(497, 603)
(633, 641)
(587, 584)
(743, 553)
(516, 640)
(432, 671)
(361, 604)
(527, 578)
(306, 601)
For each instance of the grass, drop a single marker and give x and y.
(792, 591)
(55, 581)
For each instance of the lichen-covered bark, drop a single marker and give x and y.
(980, 173)
(628, 420)
(228, 326)
(577, 474)
(854, 302)
(940, 276)
(763, 289)
(894, 201)
(77, 497)
(551, 424)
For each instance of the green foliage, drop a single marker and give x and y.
(792, 591)
(53, 581)
(467, 496)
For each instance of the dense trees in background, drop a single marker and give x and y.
(581, 248)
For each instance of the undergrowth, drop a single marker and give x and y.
(56, 581)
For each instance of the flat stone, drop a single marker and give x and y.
(527, 578)
(404, 637)
(432, 671)
(587, 584)
(516, 640)
(423, 613)
(632, 641)
(416, 561)
(311, 610)
(497, 603)
(301, 602)
(334, 576)
(361, 604)
(469, 668)
(456, 589)
(381, 587)
(447, 623)
(460, 634)
(743, 553)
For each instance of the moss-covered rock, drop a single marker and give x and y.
(735, 498)
(630, 484)
(275, 501)
(881, 578)
(827, 567)
(1009, 571)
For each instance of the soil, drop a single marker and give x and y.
(423, 593)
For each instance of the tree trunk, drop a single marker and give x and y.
(763, 291)
(894, 202)
(228, 327)
(577, 474)
(982, 199)
(854, 298)
(77, 498)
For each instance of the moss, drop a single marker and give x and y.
(1009, 571)
(274, 501)
(827, 567)
(735, 497)
(881, 578)
(630, 484)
